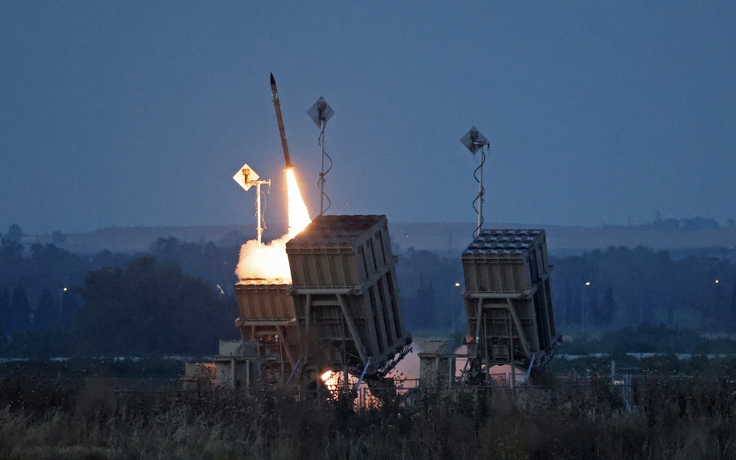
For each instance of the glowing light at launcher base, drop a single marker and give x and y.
(331, 380)
(269, 261)
(334, 382)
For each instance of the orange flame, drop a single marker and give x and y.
(298, 212)
(331, 380)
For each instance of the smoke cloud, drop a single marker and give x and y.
(267, 261)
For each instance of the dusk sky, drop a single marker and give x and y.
(131, 113)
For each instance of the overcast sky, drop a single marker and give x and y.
(138, 113)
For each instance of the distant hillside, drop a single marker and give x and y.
(444, 238)
(449, 238)
(139, 239)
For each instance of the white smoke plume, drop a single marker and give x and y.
(267, 261)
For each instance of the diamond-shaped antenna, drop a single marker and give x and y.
(320, 112)
(473, 140)
(246, 178)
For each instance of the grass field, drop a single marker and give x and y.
(674, 418)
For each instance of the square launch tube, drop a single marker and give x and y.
(507, 295)
(345, 292)
(267, 317)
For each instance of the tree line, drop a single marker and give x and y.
(623, 287)
(178, 297)
(597, 291)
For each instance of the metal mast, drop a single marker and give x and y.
(320, 112)
(474, 141)
(246, 178)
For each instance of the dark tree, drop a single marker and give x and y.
(649, 287)
(575, 309)
(12, 263)
(205, 260)
(426, 310)
(430, 297)
(4, 309)
(58, 238)
(46, 314)
(607, 310)
(592, 307)
(68, 307)
(109, 259)
(52, 267)
(20, 311)
(15, 234)
(151, 307)
(562, 309)
(732, 321)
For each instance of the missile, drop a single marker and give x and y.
(277, 104)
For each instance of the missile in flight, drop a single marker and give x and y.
(277, 104)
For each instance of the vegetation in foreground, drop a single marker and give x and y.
(577, 419)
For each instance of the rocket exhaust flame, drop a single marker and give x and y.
(298, 212)
(269, 261)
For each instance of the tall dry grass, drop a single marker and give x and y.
(676, 419)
